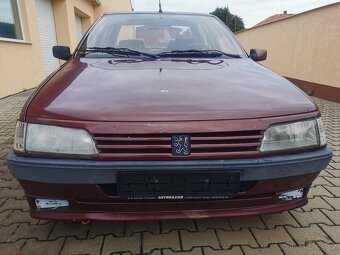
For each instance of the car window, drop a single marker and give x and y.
(157, 33)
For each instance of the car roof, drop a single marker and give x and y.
(161, 13)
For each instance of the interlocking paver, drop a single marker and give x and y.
(321, 181)
(26, 231)
(313, 229)
(236, 250)
(272, 236)
(334, 172)
(319, 191)
(142, 226)
(310, 249)
(35, 247)
(325, 174)
(241, 222)
(195, 251)
(335, 165)
(304, 236)
(18, 216)
(2, 201)
(193, 239)
(273, 249)
(316, 203)
(334, 216)
(333, 201)
(90, 246)
(14, 204)
(154, 252)
(12, 184)
(105, 228)
(334, 181)
(218, 223)
(278, 219)
(330, 249)
(69, 230)
(312, 217)
(4, 215)
(169, 240)
(240, 237)
(169, 225)
(6, 176)
(12, 193)
(12, 248)
(333, 232)
(122, 244)
(6, 232)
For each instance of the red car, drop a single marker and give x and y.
(184, 124)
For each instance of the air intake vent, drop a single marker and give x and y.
(158, 146)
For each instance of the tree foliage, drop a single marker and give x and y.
(234, 22)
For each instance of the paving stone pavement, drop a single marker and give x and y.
(312, 229)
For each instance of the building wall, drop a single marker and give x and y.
(304, 47)
(112, 6)
(22, 63)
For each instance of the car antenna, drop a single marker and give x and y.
(160, 7)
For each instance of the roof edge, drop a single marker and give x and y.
(293, 16)
(157, 12)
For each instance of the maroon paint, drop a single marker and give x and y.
(90, 202)
(106, 96)
(165, 90)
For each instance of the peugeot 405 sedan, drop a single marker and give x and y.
(164, 116)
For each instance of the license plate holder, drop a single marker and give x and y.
(177, 185)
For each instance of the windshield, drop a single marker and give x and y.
(160, 33)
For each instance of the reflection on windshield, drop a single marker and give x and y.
(158, 33)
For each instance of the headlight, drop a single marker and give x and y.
(297, 135)
(322, 133)
(51, 139)
(19, 137)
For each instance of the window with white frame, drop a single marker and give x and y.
(10, 26)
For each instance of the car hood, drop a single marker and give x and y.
(166, 90)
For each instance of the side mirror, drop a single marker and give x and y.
(62, 52)
(258, 54)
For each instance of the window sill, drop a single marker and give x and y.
(2, 39)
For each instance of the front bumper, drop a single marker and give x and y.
(79, 182)
(68, 171)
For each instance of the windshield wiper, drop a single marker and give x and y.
(117, 51)
(197, 53)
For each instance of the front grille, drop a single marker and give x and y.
(158, 146)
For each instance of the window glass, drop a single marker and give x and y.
(9, 20)
(157, 33)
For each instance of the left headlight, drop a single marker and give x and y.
(296, 135)
(38, 138)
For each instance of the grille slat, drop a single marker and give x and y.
(133, 139)
(134, 147)
(225, 138)
(158, 146)
(165, 156)
(193, 146)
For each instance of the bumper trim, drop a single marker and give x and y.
(69, 171)
(185, 214)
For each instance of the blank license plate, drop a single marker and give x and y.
(174, 186)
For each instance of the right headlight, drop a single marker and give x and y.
(36, 138)
(296, 135)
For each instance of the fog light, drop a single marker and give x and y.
(50, 203)
(292, 194)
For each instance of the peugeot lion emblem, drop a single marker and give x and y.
(180, 145)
